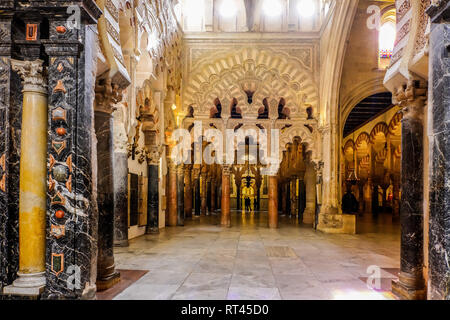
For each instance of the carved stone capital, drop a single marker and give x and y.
(107, 94)
(32, 74)
(412, 98)
(153, 155)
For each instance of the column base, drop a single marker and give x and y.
(337, 223)
(29, 285)
(121, 243)
(104, 284)
(152, 230)
(404, 292)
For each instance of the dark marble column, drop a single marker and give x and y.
(153, 198)
(188, 191)
(439, 115)
(107, 276)
(283, 198)
(180, 195)
(238, 196)
(213, 195)
(411, 282)
(120, 199)
(203, 194)
(10, 124)
(71, 243)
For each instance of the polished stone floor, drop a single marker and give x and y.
(250, 261)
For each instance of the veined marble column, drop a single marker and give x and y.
(273, 201)
(120, 162)
(188, 192)
(368, 196)
(438, 120)
(107, 276)
(153, 192)
(411, 282)
(33, 181)
(203, 194)
(180, 195)
(172, 196)
(225, 218)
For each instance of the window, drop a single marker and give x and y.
(386, 39)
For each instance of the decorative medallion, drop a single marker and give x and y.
(59, 114)
(58, 199)
(59, 87)
(59, 214)
(60, 67)
(32, 29)
(60, 173)
(61, 29)
(57, 263)
(58, 231)
(58, 146)
(61, 131)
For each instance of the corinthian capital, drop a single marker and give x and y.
(32, 75)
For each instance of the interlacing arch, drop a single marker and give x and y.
(396, 121)
(266, 73)
(349, 145)
(298, 131)
(380, 127)
(363, 137)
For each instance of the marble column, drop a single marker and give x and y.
(411, 283)
(238, 196)
(72, 211)
(107, 276)
(33, 184)
(120, 163)
(294, 202)
(283, 199)
(361, 197)
(180, 195)
(203, 195)
(273, 201)
(396, 196)
(197, 192)
(213, 195)
(10, 122)
(368, 196)
(153, 192)
(172, 196)
(438, 120)
(288, 198)
(225, 218)
(310, 184)
(188, 192)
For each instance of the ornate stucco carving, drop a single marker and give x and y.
(267, 73)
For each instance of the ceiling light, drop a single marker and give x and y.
(272, 8)
(306, 8)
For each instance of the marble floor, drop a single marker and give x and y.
(250, 261)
